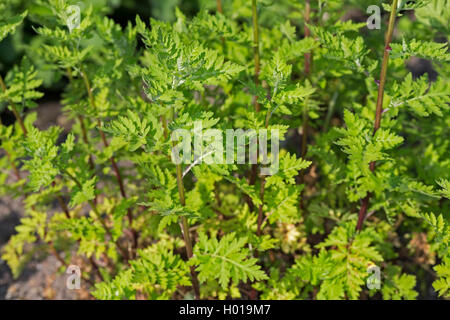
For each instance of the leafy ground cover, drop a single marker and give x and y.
(356, 207)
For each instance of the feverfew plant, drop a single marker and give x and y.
(362, 170)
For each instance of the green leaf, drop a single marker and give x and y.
(136, 132)
(157, 272)
(398, 286)
(226, 260)
(21, 83)
(83, 194)
(442, 283)
(352, 253)
(422, 49)
(9, 25)
(40, 147)
(445, 185)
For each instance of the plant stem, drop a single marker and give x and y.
(260, 221)
(96, 268)
(113, 161)
(56, 254)
(262, 188)
(14, 109)
(184, 225)
(13, 165)
(254, 168)
(84, 135)
(260, 210)
(308, 55)
(307, 71)
(304, 148)
(166, 128)
(331, 106)
(63, 205)
(103, 137)
(185, 230)
(222, 39)
(256, 51)
(379, 109)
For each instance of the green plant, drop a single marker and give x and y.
(363, 166)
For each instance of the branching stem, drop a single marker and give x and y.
(254, 168)
(256, 51)
(307, 70)
(379, 109)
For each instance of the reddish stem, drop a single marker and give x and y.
(379, 110)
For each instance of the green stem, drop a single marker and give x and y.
(304, 148)
(308, 55)
(262, 188)
(379, 109)
(260, 209)
(165, 127)
(256, 51)
(185, 230)
(222, 39)
(257, 60)
(331, 106)
(184, 225)
(81, 119)
(307, 70)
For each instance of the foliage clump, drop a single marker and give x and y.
(359, 176)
